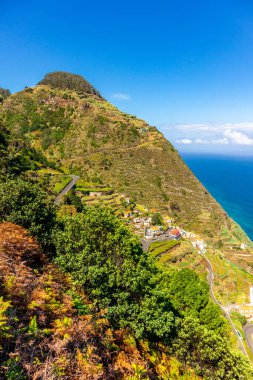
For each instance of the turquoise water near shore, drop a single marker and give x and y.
(230, 181)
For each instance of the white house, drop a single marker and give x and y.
(153, 231)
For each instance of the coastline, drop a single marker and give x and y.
(229, 180)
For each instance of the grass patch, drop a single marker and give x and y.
(60, 184)
(158, 248)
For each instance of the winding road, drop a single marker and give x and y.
(248, 331)
(64, 191)
(248, 328)
(210, 278)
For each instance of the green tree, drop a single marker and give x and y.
(4, 138)
(211, 317)
(105, 258)
(72, 199)
(208, 353)
(25, 204)
(4, 93)
(157, 219)
(65, 80)
(189, 294)
(190, 297)
(16, 154)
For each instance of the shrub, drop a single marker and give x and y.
(4, 93)
(209, 354)
(25, 204)
(65, 80)
(107, 260)
(157, 219)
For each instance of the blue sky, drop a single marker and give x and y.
(184, 66)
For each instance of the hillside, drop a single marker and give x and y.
(88, 136)
(79, 264)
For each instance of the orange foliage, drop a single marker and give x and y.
(48, 337)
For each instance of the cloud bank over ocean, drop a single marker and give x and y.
(214, 137)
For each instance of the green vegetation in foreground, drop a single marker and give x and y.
(25, 204)
(170, 306)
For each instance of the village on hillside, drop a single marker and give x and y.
(149, 225)
(158, 233)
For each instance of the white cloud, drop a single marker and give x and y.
(200, 141)
(121, 96)
(184, 141)
(238, 138)
(246, 127)
(209, 127)
(221, 141)
(240, 134)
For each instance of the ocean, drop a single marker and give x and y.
(230, 181)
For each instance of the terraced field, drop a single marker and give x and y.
(231, 283)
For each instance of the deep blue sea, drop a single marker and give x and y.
(230, 181)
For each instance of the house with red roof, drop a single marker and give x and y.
(175, 234)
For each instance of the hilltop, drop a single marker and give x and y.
(64, 80)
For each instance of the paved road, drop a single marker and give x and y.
(145, 244)
(69, 186)
(210, 278)
(248, 331)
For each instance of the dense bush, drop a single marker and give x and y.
(4, 93)
(4, 136)
(16, 154)
(108, 261)
(104, 258)
(157, 219)
(72, 199)
(25, 204)
(209, 354)
(190, 297)
(65, 80)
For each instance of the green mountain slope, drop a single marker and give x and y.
(89, 136)
(96, 272)
(84, 134)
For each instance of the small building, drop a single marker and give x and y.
(200, 245)
(246, 311)
(147, 222)
(153, 231)
(127, 214)
(96, 193)
(183, 232)
(137, 220)
(175, 234)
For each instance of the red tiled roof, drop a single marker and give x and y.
(175, 232)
